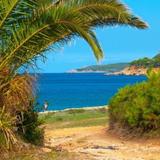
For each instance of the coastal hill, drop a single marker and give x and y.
(108, 68)
(136, 67)
(141, 66)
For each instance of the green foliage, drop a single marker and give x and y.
(74, 111)
(144, 62)
(28, 28)
(36, 25)
(105, 68)
(137, 107)
(75, 118)
(147, 62)
(28, 127)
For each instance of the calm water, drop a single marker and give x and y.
(64, 90)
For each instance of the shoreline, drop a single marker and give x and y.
(68, 109)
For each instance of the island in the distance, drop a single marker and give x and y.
(137, 67)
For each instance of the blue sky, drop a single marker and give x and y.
(120, 44)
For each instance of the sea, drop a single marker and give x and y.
(77, 90)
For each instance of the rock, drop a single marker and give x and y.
(103, 147)
(134, 70)
(47, 150)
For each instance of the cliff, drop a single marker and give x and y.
(135, 70)
(136, 67)
(132, 70)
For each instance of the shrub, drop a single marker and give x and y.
(7, 137)
(28, 126)
(137, 107)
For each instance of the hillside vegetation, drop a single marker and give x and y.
(147, 62)
(104, 68)
(117, 67)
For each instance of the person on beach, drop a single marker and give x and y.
(45, 106)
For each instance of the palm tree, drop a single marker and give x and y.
(30, 27)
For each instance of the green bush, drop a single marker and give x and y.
(137, 107)
(147, 62)
(28, 128)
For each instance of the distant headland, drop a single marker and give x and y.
(136, 67)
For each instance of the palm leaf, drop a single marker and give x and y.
(83, 15)
(30, 27)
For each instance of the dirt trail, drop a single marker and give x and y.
(95, 143)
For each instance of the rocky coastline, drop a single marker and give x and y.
(134, 70)
(130, 70)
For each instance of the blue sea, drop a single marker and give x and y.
(66, 90)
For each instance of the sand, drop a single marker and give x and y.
(96, 143)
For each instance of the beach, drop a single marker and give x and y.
(70, 109)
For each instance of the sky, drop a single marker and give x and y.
(120, 44)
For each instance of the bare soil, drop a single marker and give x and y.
(96, 143)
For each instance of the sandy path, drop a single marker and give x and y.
(95, 143)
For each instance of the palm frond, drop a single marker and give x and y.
(106, 12)
(14, 10)
(29, 27)
(7, 137)
(19, 94)
(70, 18)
